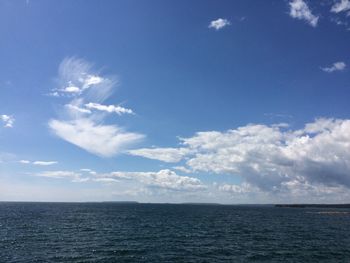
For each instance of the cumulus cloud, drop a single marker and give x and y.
(7, 120)
(300, 10)
(337, 66)
(169, 155)
(219, 23)
(71, 89)
(83, 117)
(273, 159)
(341, 6)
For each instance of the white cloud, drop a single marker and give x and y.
(219, 23)
(72, 108)
(59, 174)
(71, 89)
(272, 159)
(70, 175)
(265, 156)
(108, 108)
(243, 188)
(182, 169)
(337, 66)
(103, 140)
(170, 155)
(92, 172)
(44, 163)
(341, 6)
(80, 124)
(300, 10)
(165, 179)
(8, 120)
(106, 180)
(77, 77)
(40, 163)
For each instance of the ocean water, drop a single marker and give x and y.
(112, 232)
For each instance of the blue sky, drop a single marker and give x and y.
(175, 101)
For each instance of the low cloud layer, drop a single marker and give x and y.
(164, 179)
(272, 158)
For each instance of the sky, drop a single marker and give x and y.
(175, 101)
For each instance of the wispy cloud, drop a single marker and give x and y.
(109, 108)
(219, 23)
(341, 6)
(170, 155)
(300, 10)
(106, 180)
(163, 179)
(243, 188)
(103, 140)
(59, 174)
(7, 120)
(337, 66)
(40, 163)
(83, 124)
(76, 76)
(182, 169)
(87, 170)
(44, 163)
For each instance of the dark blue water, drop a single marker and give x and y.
(107, 232)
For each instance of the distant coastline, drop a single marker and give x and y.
(314, 205)
(188, 203)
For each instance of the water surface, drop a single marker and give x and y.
(112, 232)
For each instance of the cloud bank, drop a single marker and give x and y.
(271, 159)
(164, 179)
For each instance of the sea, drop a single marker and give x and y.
(133, 232)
